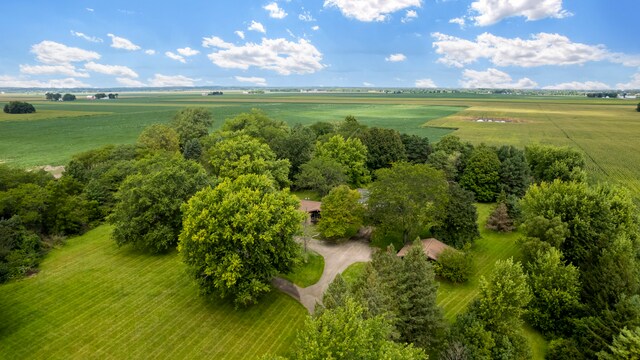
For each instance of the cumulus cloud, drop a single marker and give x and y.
(160, 80)
(396, 58)
(175, 56)
(367, 84)
(86, 37)
(240, 34)
(409, 16)
(460, 21)
(130, 82)
(575, 85)
(306, 16)
(122, 43)
(490, 12)
(115, 70)
(89, 9)
(10, 81)
(315, 28)
(150, 52)
(187, 51)
(425, 83)
(633, 84)
(275, 11)
(66, 69)
(256, 26)
(51, 52)
(253, 80)
(370, 10)
(279, 55)
(492, 79)
(216, 42)
(542, 49)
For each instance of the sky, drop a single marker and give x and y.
(523, 44)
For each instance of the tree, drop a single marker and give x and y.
(460, 224)
(416, 147)
(342, 213)
(638, 108)
(455, 265)
(625, 346)
(447, 163)
(499, 220)
(482, 174)
(321, 175)
(192, 123)
(514, 171)
(19, 249)
(19, 107)
(258, 125)
(350, 153)
(147, 214)
(321, 128)
(405, 200)
(192, 150)
(550, 162)
(458, 150)
(100, 96)
(69, 97)
(336, 294)
(53, 96)
(237, 236)
(241, 155)
(350, 127)
(384, 147)
(158, 137)
(297, 146)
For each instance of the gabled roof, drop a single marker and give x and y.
(309, 206)
(432, 247)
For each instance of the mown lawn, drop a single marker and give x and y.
(308, 272)
(92, 299)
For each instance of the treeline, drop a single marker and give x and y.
(57, 97)
(603, 95)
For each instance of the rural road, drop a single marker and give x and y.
(337, 257)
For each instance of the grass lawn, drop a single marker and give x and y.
(92, 299)
(309, 272)
(354, 270)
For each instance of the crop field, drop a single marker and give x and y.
(92, 299)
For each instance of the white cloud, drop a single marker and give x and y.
(493, 78)
(315, 28)
(256, 26)
(188, 51)
(130, 82)
(409, 16)
(66, 69)
(86, 37)
(240, 34)
(279, 55)
(370, 10)
(254, 80)
(160, 80)
(460, 21)
(367, 84)
(275, 11)
(89, 9)
(217, 42)
(150, 52)
(10, 81)
(306, 16)
(575, 85)
(492, 11)
(115, 70)
(425, 83)
(175, 56)
(396, 58)
(542, 49)
(633, 84)
(51, 52)
(122, 43)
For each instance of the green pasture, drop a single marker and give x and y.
(308, 272)
(92, 299)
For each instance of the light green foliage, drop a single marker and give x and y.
(342, 213)
(240, 155)
(482, 174)
(549, 163)
(321, 175)
(350, 153)
(404, 201)
(192, 123)
(336, 295)
(237, 236)
(455, 265)
(160, 137)
(27, 201)
(460, 224)
(258, 125)
(384, 147)
(626, 346)
(147, 214)
(552, 231)
(445, 162)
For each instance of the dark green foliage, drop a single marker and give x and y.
(100, 96)
(84, 166)
(350, 127)
(321, 175)
(384, 147)
(12, 177)
(447, 163)
(500, 219)
(460, 223)
(549, 163)
(530, 247)
(69, 97)
(321, 128)
(68, 211)
(638, 108)
(458, 151)
(104, 184)
(342, 213)
(297, 147)
(19, 107)
(192, 123)
(563, 349)
(52, 96)
(406, 200)
(455, 265)
(19, 249)
(416, 147)
(147, 214)
(258, 125)
(192, 150)
(515, 175)
(29, 202)
(336, 294)
(482, 174)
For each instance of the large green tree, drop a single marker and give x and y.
(258, 125)
(321, 175)
(625, 346)
(350, 153)
(404, 201)
(384, 147)
(460, 223)
(482, 174)
(515, 175)
(342, 213)
(237, 236)
(416, 147)
(550, 162)
(159, 137)
(192, 123)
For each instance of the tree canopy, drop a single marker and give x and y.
(321, 175)
(342, 213)
(191, 123)
(19, 107)
(384, 147)
(482, 174)
(350, 153)
(159, 137)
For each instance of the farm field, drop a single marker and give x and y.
(92, 299)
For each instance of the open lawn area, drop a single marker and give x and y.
(92, 299)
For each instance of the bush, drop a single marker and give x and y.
(638, 108)
(455, 265)
(68, 97)
(19, 107)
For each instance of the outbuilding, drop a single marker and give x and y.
(312, 209)
(432, 248)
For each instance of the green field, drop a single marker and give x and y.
(309, 272)
(92, 299)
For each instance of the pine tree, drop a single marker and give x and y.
(500, 220)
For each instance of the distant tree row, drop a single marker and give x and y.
(603, 95)
(215, 93)
(19, 107)
(57, 96)
(103, 95)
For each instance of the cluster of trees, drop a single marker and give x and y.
(214, 93)
(603, 95)
(57, 97)
(103, 95)
(19, 107)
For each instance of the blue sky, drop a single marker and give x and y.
(555, 44)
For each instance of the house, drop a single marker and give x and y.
(432, 247)
(312, 209)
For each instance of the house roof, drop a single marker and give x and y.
(309, 206)
(432, 247)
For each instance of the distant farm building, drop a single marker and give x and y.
(312, 209)
(432, 248)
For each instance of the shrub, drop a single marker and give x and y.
(455, 265)
(19, 107)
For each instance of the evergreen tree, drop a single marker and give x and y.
(500, 220)
(514, 171)
(460, 224)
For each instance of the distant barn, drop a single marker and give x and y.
(312, 209)
(432, 247)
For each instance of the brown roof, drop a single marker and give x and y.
(310, 206)
(432, 247)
